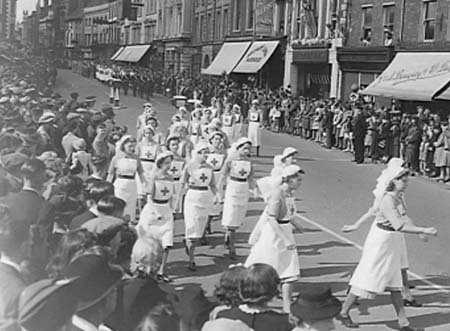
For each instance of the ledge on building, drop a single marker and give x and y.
(420, 46)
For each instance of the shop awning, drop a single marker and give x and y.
(228, 57)
(116, 54)
(255, 58)
(132, 53)
(414, 76)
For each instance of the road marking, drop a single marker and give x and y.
(356, 245)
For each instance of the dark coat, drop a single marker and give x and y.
(11, 285)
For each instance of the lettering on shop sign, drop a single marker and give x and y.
(408, 74)
(308, 55)
(257, 54)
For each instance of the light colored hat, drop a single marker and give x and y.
(148, 104)
(124, 140)
(47, 117)
(200, 146)
(288, 151)
(24, 99)
(215, 133)
(164, 155)
(149, 127)
(72, 116)
(176, 118)
(47, 156)
(4, 100)
(255, 102)
(79, 144)
(394, 169)
(291, 170)
(81, 110)
(242, 141)
(215, 122)
(224, 324)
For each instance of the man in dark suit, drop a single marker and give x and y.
(359, 134)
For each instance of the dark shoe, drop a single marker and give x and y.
(192, 266)
(163, 278)
(411, 303)
(410, 328)
(226, 244)
(186, 249)
(347, 322)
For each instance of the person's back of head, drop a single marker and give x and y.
(161, 318)
(99, 190)
(260, 285)
(111, 206)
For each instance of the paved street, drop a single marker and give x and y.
(334, 192)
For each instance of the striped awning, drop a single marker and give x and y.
(320, 79)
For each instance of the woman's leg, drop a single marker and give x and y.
(397, 301)
(164, 261)
(231, 242)
(191, 243)
(286, 293)
(348, 303)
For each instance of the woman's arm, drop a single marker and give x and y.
(112, 171)
(363, 219)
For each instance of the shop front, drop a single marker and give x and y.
(313, 71)
(360, 66)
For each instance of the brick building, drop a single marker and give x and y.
(8, 10)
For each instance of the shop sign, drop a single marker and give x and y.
(411, 73)
(257, 55)
(264, 17)
(310, 56)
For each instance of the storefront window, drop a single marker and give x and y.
(429, 19)
(388, 18)
(367, 25)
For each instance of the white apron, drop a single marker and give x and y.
(254, 131)
(176, 169)
(216, 161)
(236, 194)
(147, 156)
(197, 203)
(238, 126)
(270, 241)
(228, 128)
(195, 132)
(160, 227)
(125, 186)
(380, 265)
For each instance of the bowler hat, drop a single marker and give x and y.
(316, 303)
(96, 278)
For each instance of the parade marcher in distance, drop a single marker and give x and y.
(198, 179)
(195, 130)
(157, 216)
(237, 173)
(255, 124)
(176, 170)
(122, 172)
(272, 239)
(228, 123)
(380, 266)
(238, 123)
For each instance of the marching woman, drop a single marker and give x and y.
(147, 150)
(206, 121)
(122, 172)
(176, 170)
(237, 173)
(380, 266)
(184, 115)
(255, 124)
(142, 119)
(216, 159)
(372, 212)
(185, 147)
(195, 130)
(198, 178)
(228, 123)
(160, 196)
(272, 239)
(238, 123)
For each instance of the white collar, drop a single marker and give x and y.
(83, 324)
(6, 260)
(94, 211)
(253, 310)
(27, 188)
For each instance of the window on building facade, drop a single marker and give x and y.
(225, 23)
(429, 19)
(127, 35)
(250, 11)
(366, 25)
(237, 15)
(209, 27)
(196, 29)
(218, 26)
(179, 20)
(388, 23)
(202, 28)
(147, 36)
(281, 19)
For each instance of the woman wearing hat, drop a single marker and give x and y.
(176, 170)
(195, 130)
(255, 124)
(206, 120)
(238, 122)
(216, 159)
(159, 202)
(228, 122)
(380, 266)
(272, 239)
(122, 172)
(147, 150)
(237, 173)
(185, 146)
(198, 179)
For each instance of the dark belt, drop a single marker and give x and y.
(198, 188)
(147, 160)
(228, 126)
(160, 201)
(243, 180)
(176, 178)
(385, 227)
(283, 222)
(125, 177)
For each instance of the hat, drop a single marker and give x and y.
(91, 98)
(48, 156)
(47, 304)
(200, 146)
(215, 122)
(105, 227)
(255, 102)
(78, 144)
(288, 151)
(163, 155)
(72, 116)
(4, 100)
(173, 137)
(81, 110)
(216, 133)
(47, 117)
(224, 324)
(291, 170)
(316, 303)
(394, 169)
(148, 104)
(207, 110)
(13, 162)
(29, 90)
(96, 278)
(24, 99)
(176, 118)
(243, 141)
